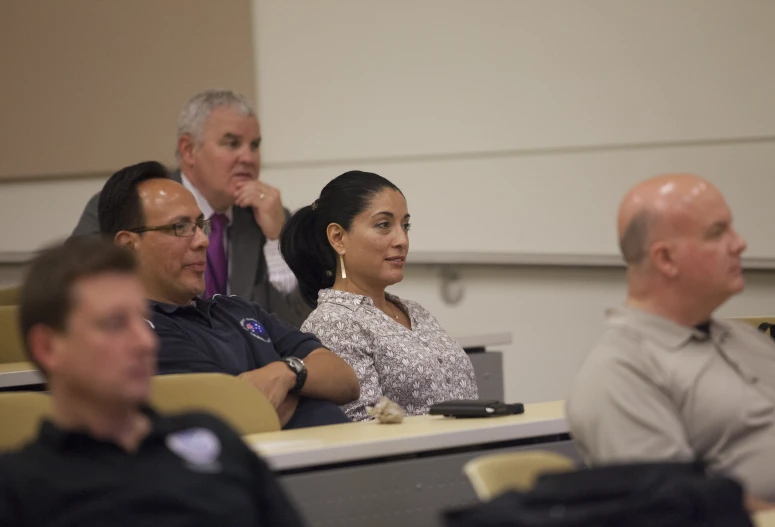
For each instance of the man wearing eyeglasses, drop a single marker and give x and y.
(157, 218)
(219, 158)
(104, 456)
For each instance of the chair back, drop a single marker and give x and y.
(764, 518)
(494, 474)
(20, 417)
(9, 296)
(234, 400)
(11, 347)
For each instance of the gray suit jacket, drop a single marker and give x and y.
(249, 276)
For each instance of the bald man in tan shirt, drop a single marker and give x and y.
(667, 381)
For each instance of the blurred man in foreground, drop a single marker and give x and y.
(105, 457)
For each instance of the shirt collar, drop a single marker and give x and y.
(198, 303)
(203, 204)
(164, 307)
(61, 439)
(350, 300)
(659, 329)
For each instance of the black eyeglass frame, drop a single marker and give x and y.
(179, 228)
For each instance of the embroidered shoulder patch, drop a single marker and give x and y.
(199, 447)
(255, 328)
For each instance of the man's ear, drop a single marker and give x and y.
(186, 146)
(126, 240)
(337, 237)
(662, 258)
(42, 344)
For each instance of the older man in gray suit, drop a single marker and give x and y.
(219, 157)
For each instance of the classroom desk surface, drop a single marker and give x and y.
(325, 445)
(484, 341)
(19, 374)
(341, 474)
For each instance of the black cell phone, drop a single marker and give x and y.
(481, 408)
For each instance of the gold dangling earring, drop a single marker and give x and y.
(341, 264)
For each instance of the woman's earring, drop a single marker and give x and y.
(341, 264)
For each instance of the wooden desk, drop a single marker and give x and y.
(370, 474)
(13, 374)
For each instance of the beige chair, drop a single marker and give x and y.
(11, 347)
(764, 519)
(20, 416)
(9, 296)
(234, 400)
(495, 474)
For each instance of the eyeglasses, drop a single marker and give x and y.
(182, 228)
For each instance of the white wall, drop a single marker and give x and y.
(528, 117)
(514, 121)
(362, 79)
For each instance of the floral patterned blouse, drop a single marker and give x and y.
(415, 368)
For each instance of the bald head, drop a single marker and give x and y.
(683, 254)
(656, 208)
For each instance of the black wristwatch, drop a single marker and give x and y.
(297, 366)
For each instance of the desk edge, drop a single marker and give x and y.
(404, 445)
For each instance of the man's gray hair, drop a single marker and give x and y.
(199, 107)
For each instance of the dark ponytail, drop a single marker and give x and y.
(308, 254)
(304, 242)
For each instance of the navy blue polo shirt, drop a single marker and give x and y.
(191, 470)
(227, 334)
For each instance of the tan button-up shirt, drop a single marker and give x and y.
(652, 390)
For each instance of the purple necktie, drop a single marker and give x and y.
(217, 265)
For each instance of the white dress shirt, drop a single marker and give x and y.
(280, 275)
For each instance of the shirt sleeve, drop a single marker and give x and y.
(178, 352)
(280, 275)
(288, 340)
(620, 415)
(346, 338)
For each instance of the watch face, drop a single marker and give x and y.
(298, 367)
(295, 364)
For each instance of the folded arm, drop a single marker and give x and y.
(329, 377)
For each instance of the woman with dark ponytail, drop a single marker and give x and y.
(345, 249)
